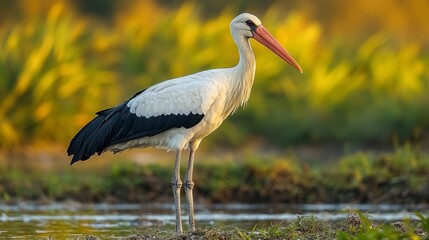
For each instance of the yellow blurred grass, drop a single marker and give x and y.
(62, 68)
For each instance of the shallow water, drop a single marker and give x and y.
(69, 220)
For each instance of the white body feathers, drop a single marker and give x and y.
(210, 93)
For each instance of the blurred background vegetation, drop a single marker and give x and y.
(365, 63)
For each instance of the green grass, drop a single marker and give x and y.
(397, 177)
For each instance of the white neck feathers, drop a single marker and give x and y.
(242, 75)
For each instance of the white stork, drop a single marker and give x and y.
(177, 114)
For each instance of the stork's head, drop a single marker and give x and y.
(249, 26)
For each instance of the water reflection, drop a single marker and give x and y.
(65, 220)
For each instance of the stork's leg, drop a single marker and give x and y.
(176, 183)
(189, 185)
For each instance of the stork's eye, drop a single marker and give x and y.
(250, 23)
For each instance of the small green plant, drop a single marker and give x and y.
(424, 222)
(359, 226)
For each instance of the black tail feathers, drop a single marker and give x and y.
(86, 142)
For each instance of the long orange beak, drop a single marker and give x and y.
(264, 37)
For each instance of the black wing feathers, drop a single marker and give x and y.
(118, 124)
